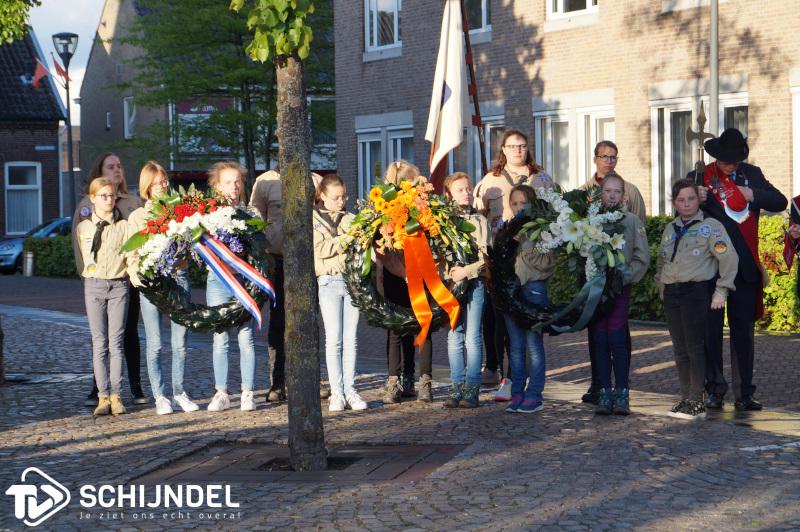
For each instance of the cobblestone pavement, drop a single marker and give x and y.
(562, 468)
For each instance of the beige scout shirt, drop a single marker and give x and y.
(480, 239)
(111, 263)
(632, 200)
(125, 204)
(491, 195)
(532, 265)
(704, 250)
(267, 198)
(636, 250)
(329, 255)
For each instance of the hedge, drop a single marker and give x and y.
(782, 312)
(52, 257)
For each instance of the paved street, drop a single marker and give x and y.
(562, 468)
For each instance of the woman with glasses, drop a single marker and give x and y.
(109, 166)
(153, 183)
(514, 166)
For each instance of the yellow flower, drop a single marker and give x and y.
(405, 185)
(375, 193)
(380, 204)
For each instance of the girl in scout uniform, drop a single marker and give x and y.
(340, 317)
(226, 179)
(533, 269)
(609, 332)
(153, 182)
(696, 269)
(467, 334)
(514, 166)
(105, 285)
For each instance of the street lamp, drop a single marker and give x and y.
(65, 45)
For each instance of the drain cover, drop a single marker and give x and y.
(227, 462)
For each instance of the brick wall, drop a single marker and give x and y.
(629, 47)
(18, 142)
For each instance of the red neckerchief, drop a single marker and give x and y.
(791, 247)
(728, 194)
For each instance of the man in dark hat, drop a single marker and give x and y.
(734, 193)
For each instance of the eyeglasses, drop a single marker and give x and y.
(516, 147)
(608, 158)
(105, 197)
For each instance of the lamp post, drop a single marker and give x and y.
(65, 45)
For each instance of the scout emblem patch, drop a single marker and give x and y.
(696, 252)
(720, 246)
(705, 230)
(85, 212)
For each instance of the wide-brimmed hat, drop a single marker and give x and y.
(730, 147)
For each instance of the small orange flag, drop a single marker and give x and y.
(59, 69)
(40, 72)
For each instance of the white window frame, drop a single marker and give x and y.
(128, 118)
(555, 9)
(396, 133)
(472, 141)
(486, 24)
(365, 168)
(588, 137)
(373, 38)
(543, 120)
(37, 187)
(795, 92)
(670, 106)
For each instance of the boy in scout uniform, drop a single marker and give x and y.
(696, 269)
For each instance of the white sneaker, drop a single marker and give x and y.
(336, 403)
(183, 401)
(504, 392)
(163, 406)
(220, 402)
(248, 402)
(355, 401)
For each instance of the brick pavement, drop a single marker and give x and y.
(560, 469)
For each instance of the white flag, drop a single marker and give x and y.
(449, 113)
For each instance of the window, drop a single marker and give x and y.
(401, 145)
(467, 157)
(23, 182)
(551, 139)
(128, 118)
(479, 15)
(370, 162)
(674, 157)
(594, 125)
(736, 117)
(382, 23)
(795, 91)
(562, 8)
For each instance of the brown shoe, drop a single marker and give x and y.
(103, 406)
(393, 391)
(117, 407)
(425, 391)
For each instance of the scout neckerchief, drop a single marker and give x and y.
(511, 180)
(792, 247)
(680, 232)
(332, 221)
(97, 241)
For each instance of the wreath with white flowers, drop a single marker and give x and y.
(576, 225)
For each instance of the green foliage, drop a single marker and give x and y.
(52, 257)
(14, 19)
(279, 27)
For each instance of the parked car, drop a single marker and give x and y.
(11, 248)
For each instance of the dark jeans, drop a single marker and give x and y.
(277, 327)
(687, 307)
(741, 320)
(593, 357)
(400, 349)
(497, 344)
(611, 343)
(130, 342)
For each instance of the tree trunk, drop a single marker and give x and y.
(306, 435)
(249, 139)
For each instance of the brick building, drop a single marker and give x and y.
(30, 191)
(570, 73)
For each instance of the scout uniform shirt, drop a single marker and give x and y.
(111, 263)
(631, 200)
(703, 249)
(330, 233)
(491, 195)
(125, 204)
(267, 198)
(636, 250)
(532, 265)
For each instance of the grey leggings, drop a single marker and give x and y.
(106, 309)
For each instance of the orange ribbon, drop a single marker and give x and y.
(421, 270)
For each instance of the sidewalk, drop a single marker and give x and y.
(560, 469)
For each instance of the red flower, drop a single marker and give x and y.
(143, 232)
(163, 229)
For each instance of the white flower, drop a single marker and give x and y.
(617, 241)
(572, 231)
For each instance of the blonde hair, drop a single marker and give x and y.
(99, 182)
(150, 171)
(215, 172)
(452, 178)
(401, 171)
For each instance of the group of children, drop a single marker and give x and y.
(696, 267)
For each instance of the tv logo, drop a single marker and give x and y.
(26, 497)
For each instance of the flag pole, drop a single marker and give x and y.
(473, 91)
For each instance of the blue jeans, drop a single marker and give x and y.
(341, 333)
(521, 340)
(151, 318)
(217, 294)
(468, 334)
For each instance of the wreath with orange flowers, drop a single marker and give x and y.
(384, 222)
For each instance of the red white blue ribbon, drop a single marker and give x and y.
(213, 252)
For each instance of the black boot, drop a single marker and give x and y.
(455, 395)
(470, 399)
(605, 402)
(138, 395)
(622, 404)
(591, 395)
(425, 393)
(408, 386)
